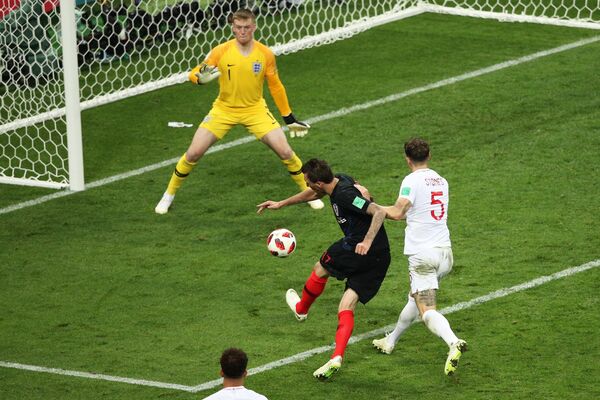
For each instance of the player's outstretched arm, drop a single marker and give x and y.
(302, 197)
(269, 204)
(398, 211)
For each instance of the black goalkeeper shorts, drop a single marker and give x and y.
(363, 274)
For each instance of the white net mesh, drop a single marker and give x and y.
(577, 13)
(130, 47)
(125, 48)
(31, 85)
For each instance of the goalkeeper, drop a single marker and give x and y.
(241, 65)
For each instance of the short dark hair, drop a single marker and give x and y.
(233, 363)
(317, 171)
(243, 14)
(417, 150)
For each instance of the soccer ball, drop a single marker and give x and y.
(281, 242)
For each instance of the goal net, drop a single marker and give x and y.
(124, 48)
(127, 47)
(574, 13)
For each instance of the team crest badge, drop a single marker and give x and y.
(256, 67)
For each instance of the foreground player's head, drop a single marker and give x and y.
(316, 170)
(233, 363)
(243, 24)
(317, 175)
(417, 151)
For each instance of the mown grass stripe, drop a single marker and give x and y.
(309, 353)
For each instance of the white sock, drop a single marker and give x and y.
(408, 315)
(438, 324)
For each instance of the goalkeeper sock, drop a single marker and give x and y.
(344, 331)
(313, 288)
(294, 166)
(182, 170)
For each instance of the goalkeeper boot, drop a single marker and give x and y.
(316, 204)
(292, 298)
(383, 345)
(456, 350)
(329, 368)
(163, 205)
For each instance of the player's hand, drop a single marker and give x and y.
(297, 128)
(207, 73)
(362, 248)
(270, 204)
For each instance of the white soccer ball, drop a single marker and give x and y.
(281, 242)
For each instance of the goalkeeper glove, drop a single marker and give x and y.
(297, 128)
(207, 73)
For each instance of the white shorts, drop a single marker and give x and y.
(428, 267)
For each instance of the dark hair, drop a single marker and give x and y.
(233, 363)
(417, 150)
(243, 14)
(317, 171)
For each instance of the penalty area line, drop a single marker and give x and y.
(309, 353)
(448, 310)
(331, 115)
(89, 375)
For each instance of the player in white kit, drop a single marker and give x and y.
(423, 202)
(233, 370)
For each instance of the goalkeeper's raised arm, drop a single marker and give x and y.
(241, 66)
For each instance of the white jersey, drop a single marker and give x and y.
(426, 218)
(236, 393)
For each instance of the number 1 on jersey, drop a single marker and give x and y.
(434, 201)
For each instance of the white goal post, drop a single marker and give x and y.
(54, 64)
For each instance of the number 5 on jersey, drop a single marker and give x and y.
(435, 201)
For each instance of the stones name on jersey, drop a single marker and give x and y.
(434, 181)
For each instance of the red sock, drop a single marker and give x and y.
(344, 331)
(313, 288)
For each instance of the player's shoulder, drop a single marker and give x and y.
(252, 395)
(422, 174)
(436, 177)
(256, 395)
(226, 394)
(218, 51)
(345, 188)
(263, 49)
(424, 180)
(345, 180)
(215, 396)
(223, 47)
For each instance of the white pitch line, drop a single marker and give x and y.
(319, 350)
(334, 114)
(89, 375)
(448, 310)
(453, 80)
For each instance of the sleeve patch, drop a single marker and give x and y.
(358, 202)
(405, 191)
